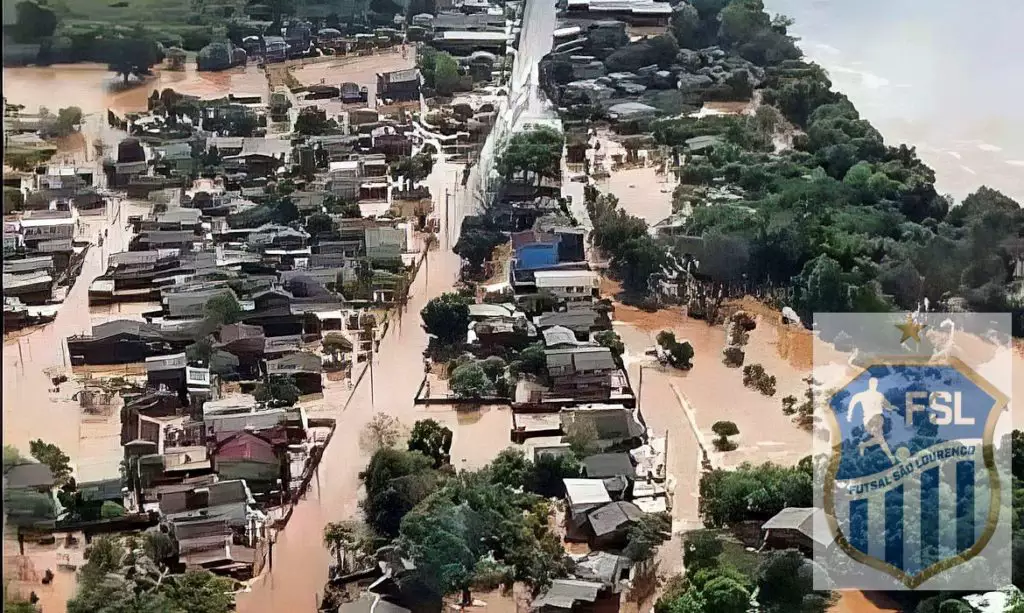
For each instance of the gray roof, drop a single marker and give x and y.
(370, 603)
(565, 593)
(698, 143)
(629, 109)
(613, 516)
(168, 237)
(107, 489)
(179, 215)
(602, 465)
(300, 361)
(577, 319)
(601, 566)
(557, 335)
(580, 359)
(29, 475)
(201, 528)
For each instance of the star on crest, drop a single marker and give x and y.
(910, 329)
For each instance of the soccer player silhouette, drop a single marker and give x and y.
(873, 405)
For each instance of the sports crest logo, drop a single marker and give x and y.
(911, 488)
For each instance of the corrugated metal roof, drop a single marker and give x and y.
(565, 593)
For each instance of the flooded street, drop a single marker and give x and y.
(300, 562)
(31, 411)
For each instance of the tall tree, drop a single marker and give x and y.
(58, 462)
(446, 317)
(432, 440)
(536, 152)
(135, 54)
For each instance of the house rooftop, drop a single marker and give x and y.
(29, 475)
(565, 593)
(603, 465)
(401, 76)
(809, 521)
(613, 516)
(586, 492)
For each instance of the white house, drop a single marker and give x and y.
(568, 285)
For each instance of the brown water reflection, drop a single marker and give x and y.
(94, 89)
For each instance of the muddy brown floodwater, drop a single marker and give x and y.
(31, 411)
(94, 89)
(300, 562)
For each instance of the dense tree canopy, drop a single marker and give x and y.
(536, 153)
(446, 317)
(135, 54)
(752, 492)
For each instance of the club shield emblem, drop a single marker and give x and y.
(911, 488)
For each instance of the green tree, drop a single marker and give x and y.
(685, 24)
(470, 381)
(12, 457)
(680, 355)
(550, 470)
(395, 481)
(318, 224)
(446, 74)
(531, 360)
(752, 493)
(312, 121)
(381, 432)
(582, 436)
(725, 429)
(611, 340)
(222, 309)
(536, 152)
(638, 261)
(446, 318)
(725, 595)
(33, 22)
(647, 534)
(785, 583)
(134, 55)
(511, 468)
(14, 200)
(200, 351)
(200, 591)
(432, 440)
(277, 390)
(111, 510)
(701, 550)
(58, 462)
(821, 287)
(476, 246)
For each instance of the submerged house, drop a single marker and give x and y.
(399, 86)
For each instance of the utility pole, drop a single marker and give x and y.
(640, 387)
(447, 225)
(372, 405)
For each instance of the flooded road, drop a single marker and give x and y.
(300, 562)
(31, 411)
